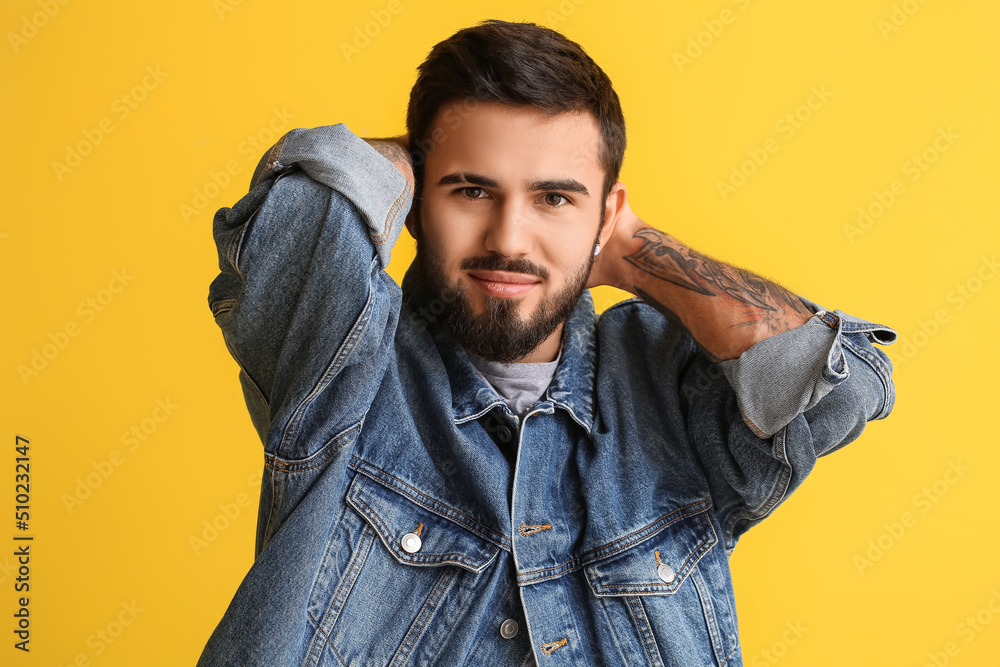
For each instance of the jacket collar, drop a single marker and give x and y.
(572, 386)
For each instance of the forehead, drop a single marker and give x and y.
(512, 144)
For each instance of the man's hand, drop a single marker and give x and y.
(726, 309)
(608, 268)
(397, 150)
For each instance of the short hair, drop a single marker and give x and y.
(521, 64)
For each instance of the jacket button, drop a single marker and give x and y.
(411, 543)
(508, 628)
(504, 434)
(666, 572)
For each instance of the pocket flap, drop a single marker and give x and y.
(657, 566)
(396, 519)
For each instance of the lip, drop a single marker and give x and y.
(504, 283)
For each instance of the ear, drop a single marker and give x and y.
(411, 222)
(613, 207)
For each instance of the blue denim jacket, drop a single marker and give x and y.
(406, 518)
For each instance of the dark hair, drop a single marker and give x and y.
(521, 64)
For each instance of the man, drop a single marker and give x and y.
(475, 469)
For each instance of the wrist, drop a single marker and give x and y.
(621, 273)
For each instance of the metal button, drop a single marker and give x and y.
(666, 572)
(411, 543)
(508, 628)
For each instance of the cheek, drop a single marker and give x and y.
(570, 252)
(449, 243)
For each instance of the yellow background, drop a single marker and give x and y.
(232, 71)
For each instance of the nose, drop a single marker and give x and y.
(508, 233)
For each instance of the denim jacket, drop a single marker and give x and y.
(407, 518)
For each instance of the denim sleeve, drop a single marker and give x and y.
(302, 298)
(759, 423)
(789, 373)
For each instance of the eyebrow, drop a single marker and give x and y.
(565, 184)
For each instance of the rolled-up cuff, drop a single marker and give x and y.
(335, 156)
(788, 373)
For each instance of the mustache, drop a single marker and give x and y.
(497, 263)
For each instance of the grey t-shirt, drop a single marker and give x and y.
(519, 385)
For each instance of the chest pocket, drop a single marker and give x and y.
(659, 589)
(659, 565)
(414, 534)
(385, 594)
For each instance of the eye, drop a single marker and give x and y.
(472, 192)
(556, 203)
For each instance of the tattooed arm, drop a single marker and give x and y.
(725, 308)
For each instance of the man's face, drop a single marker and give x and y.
(509, 216)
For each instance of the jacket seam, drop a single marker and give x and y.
(620, 642)
(272, 512)
(347, 435)
(334, 367)
(390, 217)
(237, 246)
(877, 366)
(364, 464)
(773, 498)
(255, 387)
(329, 616)
(430, 607)
(753, 427)
(268, 161)
(243, 367)
(235, 251)
(432, 560)
(489, 625)
(725, 661)
(697, 553)
(222, 306)
(642, 625)
(382, 530)
(323, 454)
(708, 612)
(585, 559)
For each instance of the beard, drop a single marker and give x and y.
(500, 333)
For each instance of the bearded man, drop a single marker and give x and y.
(475, 468)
